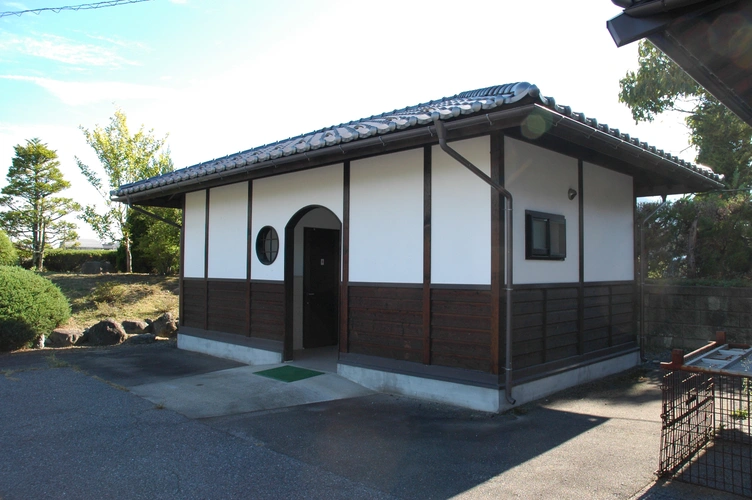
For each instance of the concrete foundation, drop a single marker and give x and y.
(468, 396)
(243, 354)
(484, 398)
(542, 387)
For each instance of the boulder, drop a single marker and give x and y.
(134, 327)
(64, 337)
(141, 338)
(165, 326)
(96, 267)
(106, 332)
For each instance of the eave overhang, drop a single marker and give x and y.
(655, 171)
(710, 39)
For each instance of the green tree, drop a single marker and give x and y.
(707, 236)
(8, 253)
(697, 236)
(157, 245)
(722, 139)
(125, 158)
(34, 215)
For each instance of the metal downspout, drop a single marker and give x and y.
(441, 131)
(643, 272)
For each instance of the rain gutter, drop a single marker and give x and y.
(441, 131)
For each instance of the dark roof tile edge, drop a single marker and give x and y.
(464, 103)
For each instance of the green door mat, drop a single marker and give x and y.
(288, 373)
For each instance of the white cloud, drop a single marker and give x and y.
(119, 42)
(77, 93)
(16, 6)
(64, 50)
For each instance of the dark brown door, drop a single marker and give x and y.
(320, 287)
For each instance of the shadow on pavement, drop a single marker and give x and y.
(665, 489)
(402, 446)
(126, 365)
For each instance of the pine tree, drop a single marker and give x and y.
(34, 215)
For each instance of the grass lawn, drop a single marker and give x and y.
(94, 297)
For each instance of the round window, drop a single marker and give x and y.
(267, 245)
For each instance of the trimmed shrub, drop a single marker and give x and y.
(30, 306)
(69, 260)
(8, 253)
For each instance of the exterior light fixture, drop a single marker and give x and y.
(571, 194)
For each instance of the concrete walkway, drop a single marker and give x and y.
(239, 390)
(157, 422)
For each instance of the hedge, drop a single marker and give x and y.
(30, 306)
(69, 260)
(8, 253)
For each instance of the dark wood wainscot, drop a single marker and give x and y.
(268, 310)
(386, 321)
(227, 304)
(546, 321)
(194, 303)
(461, 328)
(221, 306)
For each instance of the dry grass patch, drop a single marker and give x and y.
(119, 296)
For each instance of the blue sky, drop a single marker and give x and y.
(221, 76)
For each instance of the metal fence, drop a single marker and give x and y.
(706, 435)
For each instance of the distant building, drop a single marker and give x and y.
(89, 244)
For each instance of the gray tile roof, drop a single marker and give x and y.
(464, 103)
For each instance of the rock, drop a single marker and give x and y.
(96, 267)
(106, 332)
(165, 326)
(64, 337)
(141, 338)
(134, 327)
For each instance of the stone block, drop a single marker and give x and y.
(740, 304)
(106, 332)
(745, 320)
(690, 302)
(165, 326)
(64, 337)
(135, 327)
(714, 303)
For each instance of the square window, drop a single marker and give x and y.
(545, 236)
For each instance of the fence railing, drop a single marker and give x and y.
(706, 433)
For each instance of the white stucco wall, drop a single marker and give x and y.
(608, 224)
(539, 180)
(386, 218)
(228, 231)
(195, 235)
(461, 215)
(276, 199)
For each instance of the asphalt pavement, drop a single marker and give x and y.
(157, 422)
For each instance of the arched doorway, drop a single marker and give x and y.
(312, 280)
